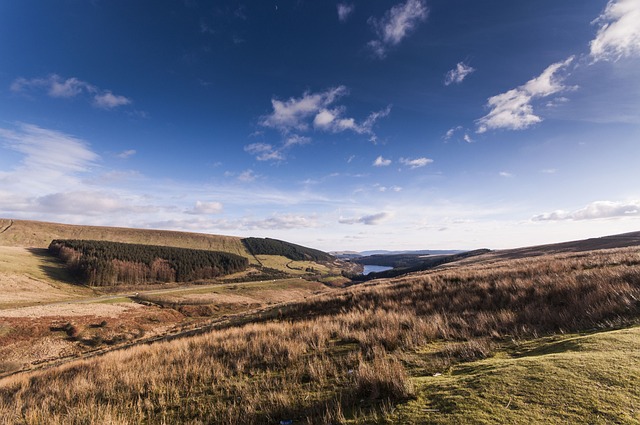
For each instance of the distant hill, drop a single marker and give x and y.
(355, 254)
(606, 242)
(37, 234)
(268, 246)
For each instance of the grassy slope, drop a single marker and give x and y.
(572, 379)
(29, 276)
(23, 233)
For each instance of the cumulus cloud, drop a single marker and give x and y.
(312, 111)
(458, 74)
(292, 114)
(369, 220)
(513, 110)
(58, 87)
(381, 162)
(416, 162)
(619, 33)
(344, 11)
(205, 208)
(593, 211)
(396, 24)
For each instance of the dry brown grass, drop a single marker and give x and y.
(329, 357)
(25, 233)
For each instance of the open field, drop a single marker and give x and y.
(487, 343)
(31, 276)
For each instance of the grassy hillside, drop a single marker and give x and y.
(36, 234)
(30, 275)
(444, 346)
(571, 379)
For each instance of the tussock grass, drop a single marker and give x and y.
(336, 357)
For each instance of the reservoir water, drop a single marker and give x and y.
(368, 269)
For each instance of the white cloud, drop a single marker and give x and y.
(593, 211)
(296, 140)
(467, 138)
(126, 154)
(381, 162)
(549, 171)
(48, 151)
(458, 74)
(280, 221)
(505, 174)
(619, 32)
(264, 152)
(396, 24)
(369, 220)
(312, 110)
(344, 11)
(247, 176)
(416, 163)
(292, 114)
(449, 134)
(206, 208)
(81, 203)
(512, 110)
(108, 100)
(59, 87)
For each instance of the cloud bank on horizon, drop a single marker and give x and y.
(320, 122)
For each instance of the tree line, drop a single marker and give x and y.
(267, 246)
(103, 263)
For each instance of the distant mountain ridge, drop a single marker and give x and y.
(355, 254)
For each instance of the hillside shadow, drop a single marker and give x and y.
(53, 267)
(569, 345)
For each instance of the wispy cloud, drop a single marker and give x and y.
(513, 110)
(619, 33)
(396, 24)
(505, 174)
(109, 100)
(370, 220)
(344, 11)
(593, 211)
(58, 87)
(48, 152)
(381, 162)
(416, 162)
(247, 176)
(205, 208)
(126, 154)
(264, 152)
(458, 74)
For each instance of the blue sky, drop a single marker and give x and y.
(416, 124)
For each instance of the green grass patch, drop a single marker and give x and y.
(572, 379)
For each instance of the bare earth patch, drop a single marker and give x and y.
(25, 289)
(71, 310)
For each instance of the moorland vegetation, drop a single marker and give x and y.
(351, 356)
